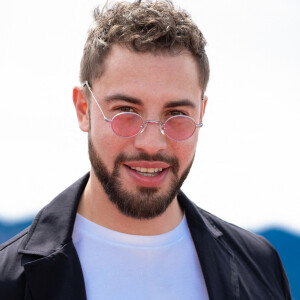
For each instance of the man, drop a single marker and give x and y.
(125, 230)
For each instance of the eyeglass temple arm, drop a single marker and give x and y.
(201, 113)
(89, 88)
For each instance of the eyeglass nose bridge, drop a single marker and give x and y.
(161, 127)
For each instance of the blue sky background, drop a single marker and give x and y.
(247, 165)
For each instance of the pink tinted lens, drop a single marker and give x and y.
(179, 128)
(127, 124)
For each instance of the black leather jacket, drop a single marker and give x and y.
(41, 262)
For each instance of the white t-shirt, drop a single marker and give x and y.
(122, 266)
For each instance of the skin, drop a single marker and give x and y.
(154, 80)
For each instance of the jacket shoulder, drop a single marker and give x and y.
(12, 277)
(14, 240)
(253, 254)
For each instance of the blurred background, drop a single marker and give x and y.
(247, 167)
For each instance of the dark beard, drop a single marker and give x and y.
(148, 202)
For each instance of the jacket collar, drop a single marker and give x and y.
(51, 236)
(53, 226)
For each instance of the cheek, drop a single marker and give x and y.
(103, 140)
(100, 131)
(107, 145)
(185, 152)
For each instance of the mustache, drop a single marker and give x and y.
(171, 160)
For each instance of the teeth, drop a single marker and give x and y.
(148, 174)
(150, 171)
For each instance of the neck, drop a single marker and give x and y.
(97, 207)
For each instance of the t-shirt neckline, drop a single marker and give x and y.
(98, 232)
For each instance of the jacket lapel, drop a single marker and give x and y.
(50, 260)
(57, 276)
(218, 264)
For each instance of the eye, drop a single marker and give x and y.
(172, 113)
(124, 109)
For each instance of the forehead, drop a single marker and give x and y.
(153, 78)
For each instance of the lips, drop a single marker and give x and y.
(147, 174)
(147, 164)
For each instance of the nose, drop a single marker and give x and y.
(151, 140)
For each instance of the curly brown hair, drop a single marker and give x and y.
(148, 26)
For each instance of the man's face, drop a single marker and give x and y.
(143, 174)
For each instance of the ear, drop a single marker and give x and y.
(81, 106)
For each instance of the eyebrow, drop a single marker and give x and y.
(170, 104)
(184, 102)
(116, 97)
